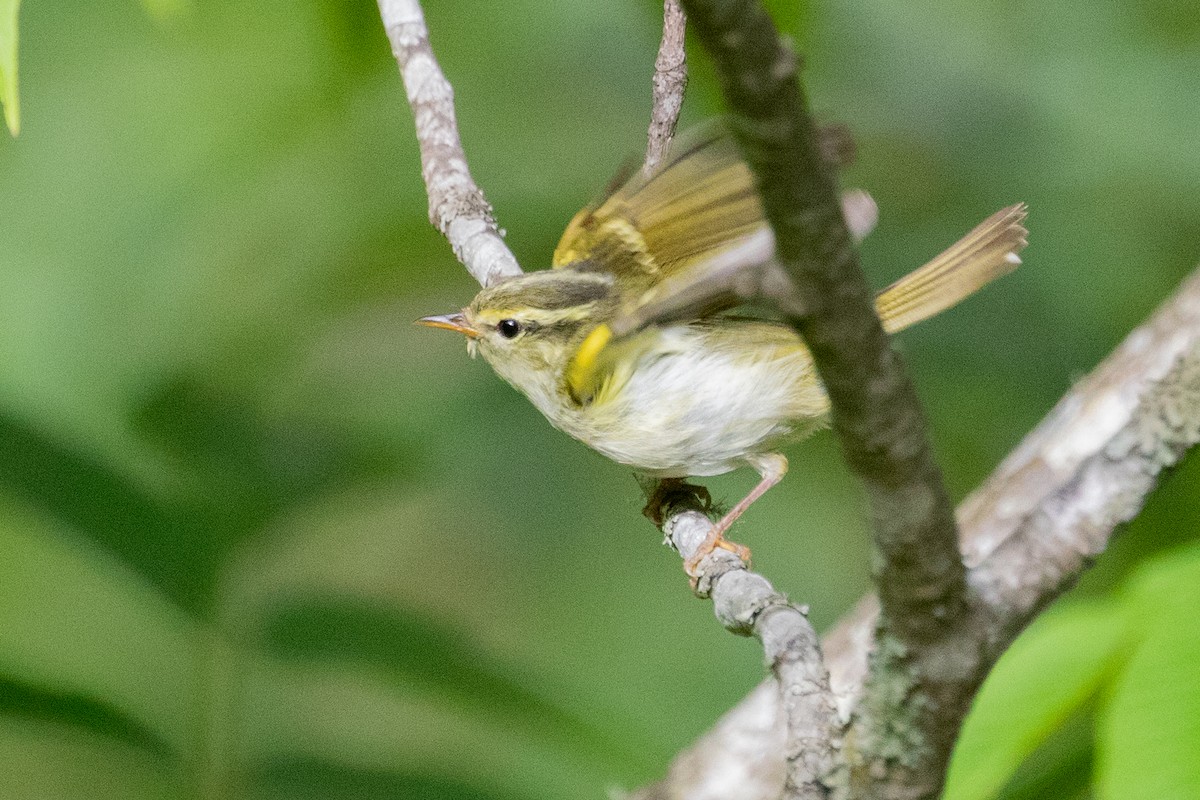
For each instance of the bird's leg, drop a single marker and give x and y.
(772, 467)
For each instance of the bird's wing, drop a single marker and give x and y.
(701, 202)
(988, 251)
(664, 236)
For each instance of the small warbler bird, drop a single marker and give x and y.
(710, 392)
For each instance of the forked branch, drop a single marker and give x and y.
(875, 411)
(1031, 529)
(904, 668)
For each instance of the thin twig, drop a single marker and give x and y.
(1029, 531)
(457, 206)
(670, 82)
(801, 717)
(744, 601)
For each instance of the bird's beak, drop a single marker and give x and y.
(451, 322)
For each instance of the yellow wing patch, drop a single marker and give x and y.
(582, 373)
(665, 232)
(603, 365)
(656, 232)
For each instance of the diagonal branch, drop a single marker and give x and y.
(799, 709)
(745, 602)
(1051, 507)
(794, 712)
(875, 411)
(457, 206)
(1053, 504)
(1036, 523)
(905, 674)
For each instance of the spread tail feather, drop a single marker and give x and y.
(987, 252)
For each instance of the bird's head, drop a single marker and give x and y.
(529, 327)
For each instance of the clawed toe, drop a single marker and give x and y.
(713, 541)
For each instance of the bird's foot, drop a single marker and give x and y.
(669, 493)
(715, 540)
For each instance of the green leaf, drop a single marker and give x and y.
(419, 653)
(32, 702)
(42, 760)
(1062, 767)
(85, 494)
(8, 65)
(1047, 675)
(88, 642)
(1148, 737)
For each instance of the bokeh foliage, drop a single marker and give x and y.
(260, 537)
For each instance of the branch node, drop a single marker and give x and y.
(747, 595)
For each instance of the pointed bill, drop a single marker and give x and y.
(451, 322)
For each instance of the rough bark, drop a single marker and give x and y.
(1032, 528)
(803, 712)
(670, 82)
(878, 715)
(875, 411)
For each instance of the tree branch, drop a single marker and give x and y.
(457, 206)
(903, 669)
(1051, 506)
(1032, 528)
(875, 411)
(793, 716)
(670, 82)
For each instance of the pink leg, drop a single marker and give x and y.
(772, 467)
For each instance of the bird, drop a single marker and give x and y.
(703, 391)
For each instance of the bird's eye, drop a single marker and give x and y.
(509, 328)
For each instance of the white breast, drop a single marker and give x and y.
(691, 408)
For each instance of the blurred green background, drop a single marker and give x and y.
(262, 538)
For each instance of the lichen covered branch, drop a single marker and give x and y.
(457, 206)
(798, 720)
(1052, 505)
(878, 715)
(1032, 528)
(875, 410)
